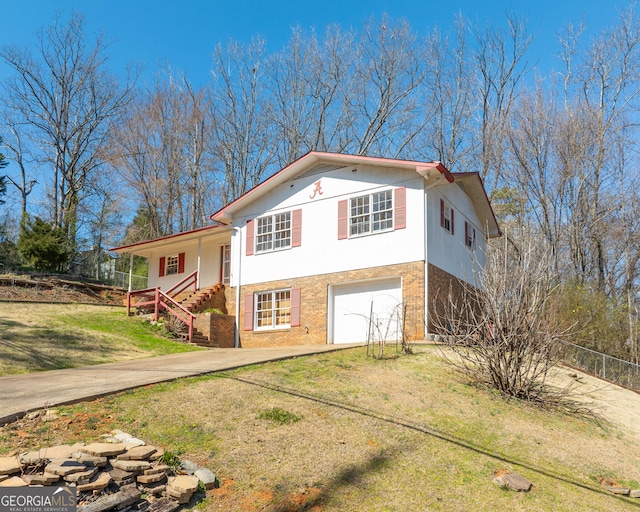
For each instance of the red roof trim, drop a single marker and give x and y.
(336, 156)
(167, 237)
(484, 191)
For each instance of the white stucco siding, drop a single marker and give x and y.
(321, 251)
(448, 251)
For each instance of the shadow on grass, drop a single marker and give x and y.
(354, 473)
(40, 349)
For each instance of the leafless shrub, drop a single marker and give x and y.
(504, 332)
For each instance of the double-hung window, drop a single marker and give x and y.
(371, 213)
(469, 236)
(273, 309)
(446, 217)
(273, 232)
(172, 265)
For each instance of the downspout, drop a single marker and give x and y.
(236, 342)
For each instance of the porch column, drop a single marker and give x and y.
(198, 268)
(130, 270)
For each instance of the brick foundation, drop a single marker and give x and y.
(315, 303)
(219, 329)
(441, 285)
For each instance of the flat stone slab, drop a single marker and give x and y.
(151, 479)
(99, 483)
(156, 489)
(514, 482)
(184, 483)
(138, 453)
(90, 460)
(131, 465)
(9, 465)
(104, 449)
(64, 467)
(160, 468)
(635, 493)
(14, 481)
(623, 491)
(81, 477)
(207, 477)
(41, 479)
(63, 451)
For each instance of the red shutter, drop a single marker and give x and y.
(295, 307)
(248, 312)
(400, 208)
(343, 219)
(181, 263)
(250, 236)
(162, 265)
(452, 223)
(296, 228)
(442, 212)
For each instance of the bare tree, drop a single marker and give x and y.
(389, 73)
(68, 101)
(161, 150)
(504, 333)
(242, 137)
(449, 100)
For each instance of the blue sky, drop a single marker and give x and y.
(183, 33)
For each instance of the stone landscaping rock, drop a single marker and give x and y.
(150, 479)
(9, 465)
(14, 481)
(160, 468)
(188, 467)
(634, 494)
(624, 491)
(184, 483)
(207, 477)
(90, 460)
(138, 453)
(82, 477)
(65, 467)
(131, 465)
(119, 475)
(109, 476)
(97, 484)
(514, 482)
(104, 449)
(41, 479)
(64, 451)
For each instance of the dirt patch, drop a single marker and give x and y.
(57, 290)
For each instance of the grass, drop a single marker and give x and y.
(38, 337)
(398, 434)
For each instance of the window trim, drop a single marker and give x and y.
(445, 208)
(273, 309)
(370, 200)
(225, 264)
(292, 233)
(469, 236)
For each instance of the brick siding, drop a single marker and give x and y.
(315, 303)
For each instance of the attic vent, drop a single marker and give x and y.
(318, 169)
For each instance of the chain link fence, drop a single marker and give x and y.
(609, 368)
(121, 279)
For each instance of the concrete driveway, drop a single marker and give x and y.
(20, 394)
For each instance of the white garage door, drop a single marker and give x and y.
(367, 309)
